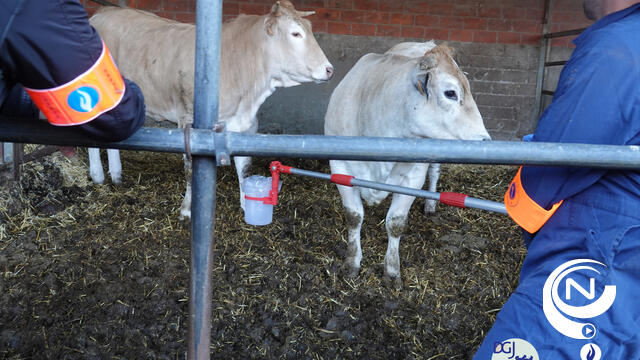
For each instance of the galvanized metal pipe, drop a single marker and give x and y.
(341, 147)
(469, 202)
(207, 66)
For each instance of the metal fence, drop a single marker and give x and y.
(211, 145)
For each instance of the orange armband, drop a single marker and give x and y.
(84, 98)
(523, 210)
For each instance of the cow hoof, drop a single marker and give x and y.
(430, 206)
(185, 215)
(349, 271)
(392, 282)
(116, 180)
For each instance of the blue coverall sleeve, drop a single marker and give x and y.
(596, 102)
(49, 43)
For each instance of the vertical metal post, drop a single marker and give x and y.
(544, 54)
(207, 65)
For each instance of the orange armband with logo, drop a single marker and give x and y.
(84, 98)
(523, 210)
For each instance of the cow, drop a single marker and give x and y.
(258, 55)
(414, 90)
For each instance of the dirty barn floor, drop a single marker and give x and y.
(101, 272)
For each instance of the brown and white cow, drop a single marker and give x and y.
(415, 90)
(258, 54)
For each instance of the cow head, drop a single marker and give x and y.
(295, 51)
(441, 92)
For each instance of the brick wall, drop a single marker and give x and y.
(481, 21)
(497, 43)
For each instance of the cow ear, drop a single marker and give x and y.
(270, 25)
(421, 82)
(428, 62)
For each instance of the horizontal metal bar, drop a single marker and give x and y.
(344, 147)
(548, 92)
(432, 150)
(564, 33)
(555, 63)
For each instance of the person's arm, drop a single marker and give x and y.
(594, 104)
(50, 44)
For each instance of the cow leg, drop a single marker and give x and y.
(95, 166)
(115, 166)
(395, 223)
(185, 208)
(354, 216)
(434, 175)
(243, 163)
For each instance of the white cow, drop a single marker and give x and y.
(414, 90)
(258, 54)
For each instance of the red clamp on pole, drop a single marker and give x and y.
(453, 199)
(276, 168)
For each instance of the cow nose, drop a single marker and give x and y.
(329, 70)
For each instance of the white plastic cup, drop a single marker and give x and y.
(255, 211)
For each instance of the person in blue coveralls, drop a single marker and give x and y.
(579, 290)
(52, 62)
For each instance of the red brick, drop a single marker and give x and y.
(535, 14)
(149, 5)
(186, 17)
(376, 17)
(401, 19)
(437, 34)
(305, 4)
(363, 29)
(325, 14)
(489, 12)
(514, 13)
(484, 36)
(531, 39)
(176, 5)
(475, 23)
(352, 16)
(562, 17)
(365, 4)
(440, 9)
(338, 28)
(340, 4)
(253, 9)
(390, 5)
(230, 9)
(388, 30)
(527, 27)
(427, 20)
(528, 3)
(461, 35)
(466, 10)
(416, 6)
(499, 25)
(319, 26)
(413, 32)
(451, 22)
(509, 38)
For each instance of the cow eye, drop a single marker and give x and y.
(296, 34)
(451, 95)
